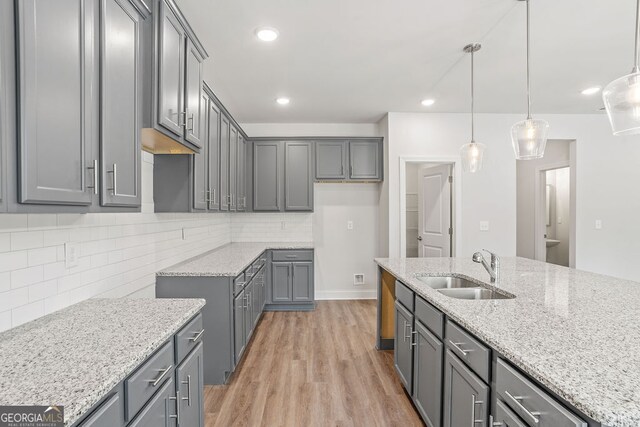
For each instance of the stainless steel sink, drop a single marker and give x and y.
(474, 293)
(447, 282)
(457, 287)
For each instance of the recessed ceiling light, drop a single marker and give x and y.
(283, 101)
(428, 102)
(591, 90)
(267, 34)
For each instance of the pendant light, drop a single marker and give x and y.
(622, 96)
(472, 152)
(529, 137)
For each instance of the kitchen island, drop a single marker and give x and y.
(571, 333)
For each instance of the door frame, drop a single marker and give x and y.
(539, 243)
(455, 163)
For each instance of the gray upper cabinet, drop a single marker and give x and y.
(120, 104)
(213, 149)
(427, 375)
(241, 183)
(189, 388)
(233, 164)
(331, 157)
(298, 182)
(57, 110)
(466, 396)
(266, 176)
(193, 94)
(171, 59)
(403, 354)
(201, 187)
(225, 128)
(365, 160)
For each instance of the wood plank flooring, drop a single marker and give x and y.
(319, 368)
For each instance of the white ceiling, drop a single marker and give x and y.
(355, 60)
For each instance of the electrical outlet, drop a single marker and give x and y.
(184, 235)
(349, 225)
(283, 225)
(71, 254)
(598, 224)
(484, 225)
(358, 279)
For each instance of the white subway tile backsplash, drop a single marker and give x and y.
(13, 260)
(27, 313)
(43, 290)
(42, 256)
(14, 298)
(26, 240)
(26, 276)
(5, 242)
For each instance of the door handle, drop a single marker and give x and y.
(420, 238)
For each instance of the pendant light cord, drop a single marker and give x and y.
(636, 54)
(472, 99)
(528, 62)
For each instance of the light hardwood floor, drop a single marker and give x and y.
(319, 368)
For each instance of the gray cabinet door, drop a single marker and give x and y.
(224, 162)
(298, 176)
(239, 308)
(403, 354)
(504, 417)
(108, 414)
(193, 94)
(171, 54)
(331, 158)
(120, 103)
(213, 149)
(241, 184)
(160, 410)
(280, 282)
(427, 375)
(365, 160)
(302, 281)
(248, 312)
(190, 386)
(266, 176)
(201, 189)
(58, 101)
(256, 300)
(233, 167)
(466, 396)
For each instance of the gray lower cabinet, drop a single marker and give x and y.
(298, 176)
(281, 282)
(504, 417)
(239, 308)
(189, 388)
(466, 396)
(161, 409)
(331, 159)
(302, 281)
(427, 375)
(108, 414)
(365, 160)
(403, 354)
(248, 311)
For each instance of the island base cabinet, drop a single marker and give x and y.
(161, 410)
(239, 309)
(466, 396)
(403, 355)
(427, 375)
(189, 388)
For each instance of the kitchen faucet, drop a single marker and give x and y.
(494, 268)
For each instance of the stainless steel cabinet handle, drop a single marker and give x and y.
(292, 256)
(249, 300)
(188, 383)
(177, 399)
(406, 325)
(183, 122)
(531, 414)
(214, 197)
(197, 336)
(494, 423)
(457, 345)
(95, 176)
(164, 372)
(114, 172)
(475, 402)
(414, 342)
(191, 117)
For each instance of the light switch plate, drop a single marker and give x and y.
(349, 225)
(71, 254)
(598, 224)
(484, 225)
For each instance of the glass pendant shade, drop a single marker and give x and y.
(471, 154)
(622, 101)
(529, 138)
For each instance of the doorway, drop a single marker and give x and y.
(429, 214)
(557, 205)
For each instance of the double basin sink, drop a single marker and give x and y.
(457, 287)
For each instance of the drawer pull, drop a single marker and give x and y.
(240, 284)
(188, 383)
(292, 256)
(532, 414)
(456, 345)
(163, 373)
(197, 336)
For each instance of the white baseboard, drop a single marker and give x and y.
(346, 294)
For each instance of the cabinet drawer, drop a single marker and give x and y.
(405, 296)
(530, 402)
(505, 416)
(148, 379)
(292, 255)
(430, 316)
(109, 414)
(188, 337)
(469, 350)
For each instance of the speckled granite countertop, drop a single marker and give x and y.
(75, 356)
(577, 333)
(228, 260)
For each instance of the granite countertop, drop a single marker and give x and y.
(578, 333)
(75, 356)
(228, 260)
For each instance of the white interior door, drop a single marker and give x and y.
(435, 230)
